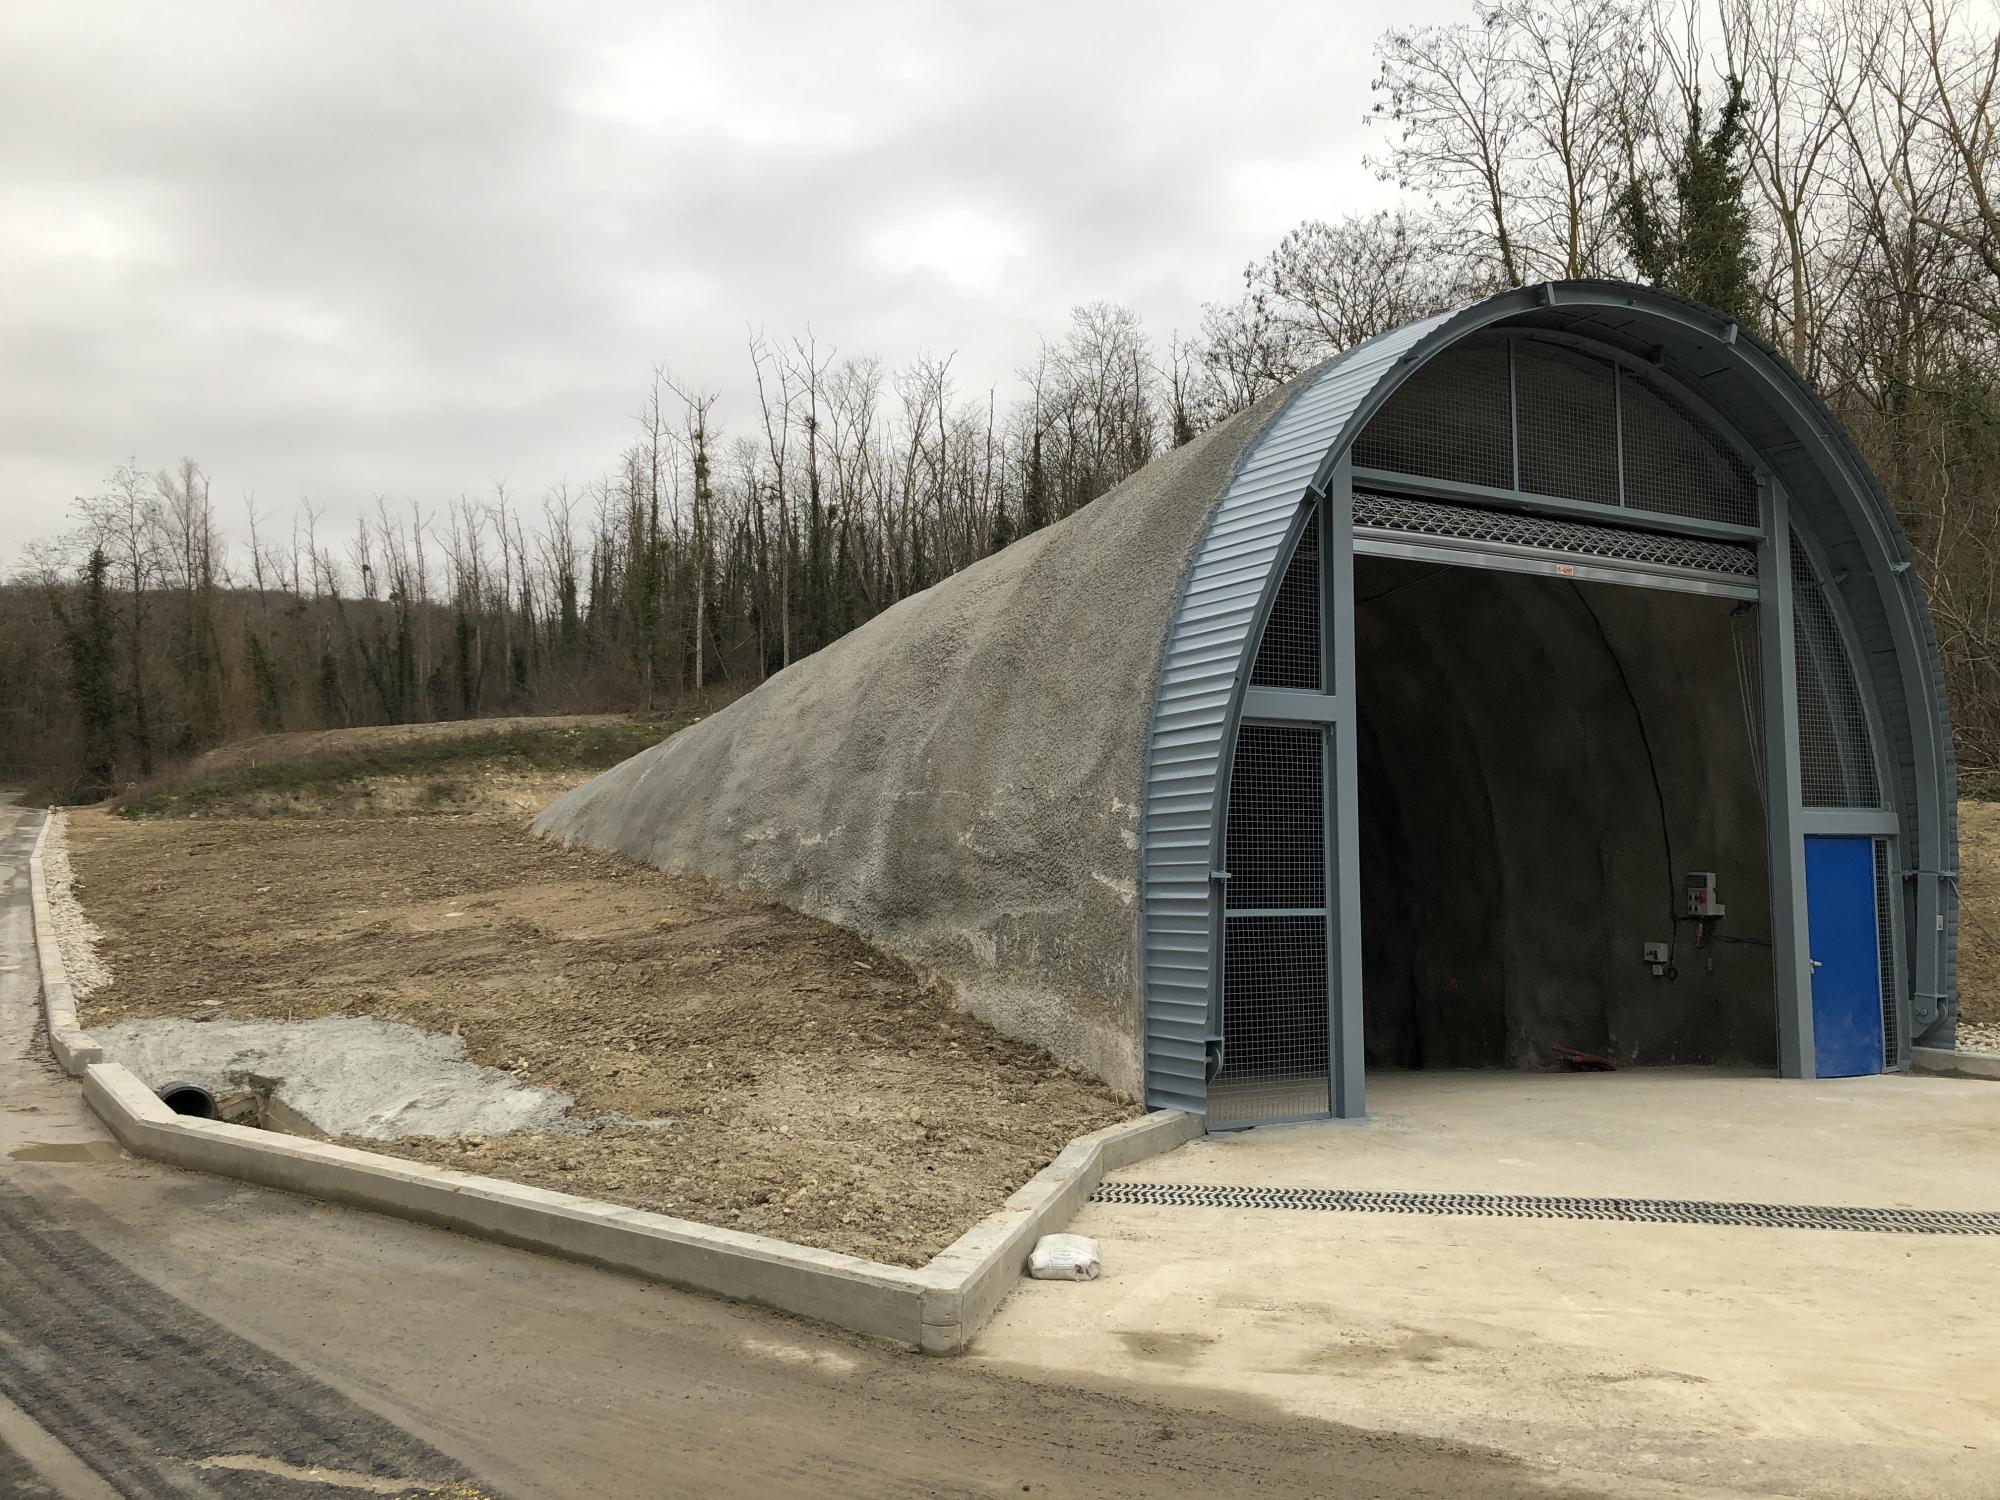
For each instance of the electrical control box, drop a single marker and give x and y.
(1703, 900)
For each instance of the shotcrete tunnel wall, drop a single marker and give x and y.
(1513, 862)
(1020, 777)
(960, 777)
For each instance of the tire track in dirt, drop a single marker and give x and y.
(143, 1387)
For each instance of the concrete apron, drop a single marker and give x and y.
(937, 1308)
(1741, 1360)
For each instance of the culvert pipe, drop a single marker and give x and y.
(189, 1099)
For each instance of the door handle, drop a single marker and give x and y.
(1814, 962)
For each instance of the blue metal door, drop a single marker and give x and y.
(1846, 960)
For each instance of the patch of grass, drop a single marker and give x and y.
(594, 745)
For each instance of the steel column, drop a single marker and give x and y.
(1791, 959)
(1346, 1044)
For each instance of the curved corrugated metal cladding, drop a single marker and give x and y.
(1207, 646)
(1235, 571)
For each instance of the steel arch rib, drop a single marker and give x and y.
(1205, 658)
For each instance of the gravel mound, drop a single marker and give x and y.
(1979, 1036)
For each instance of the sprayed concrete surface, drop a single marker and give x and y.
(1738, 1361)
(1538, 763)
(960, 777)
(345, 1075)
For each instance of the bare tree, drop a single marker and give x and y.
(1454, 95)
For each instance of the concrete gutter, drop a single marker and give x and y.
(1954, 1064)
(73, 1049)
(937, 1308)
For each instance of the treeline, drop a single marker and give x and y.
(701, 564)
(1827, 173)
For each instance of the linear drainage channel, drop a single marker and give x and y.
(1528, 1206)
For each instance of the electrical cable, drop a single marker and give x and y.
(1959, 906)
(1652, 769)
(1749, 691)
(1407, 583)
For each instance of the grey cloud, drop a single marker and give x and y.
(339, 249)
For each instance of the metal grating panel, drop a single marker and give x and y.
(1274, 1021)
(1895, 1045)
(1449, 420)
(1277, 819)
(1289, 654)
(1565, 538)
(1674, 462)
(1836, 754)
(1973, 1221)
(1567, 419)
(1548, 419)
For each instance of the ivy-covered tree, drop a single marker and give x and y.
(1691, 234)
(264, 682)
(89, 638)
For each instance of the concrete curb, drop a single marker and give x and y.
(73, 1048)
(1943, 1060)
(937, 1308)
(987, 1261)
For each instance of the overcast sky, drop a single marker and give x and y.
(374, 246)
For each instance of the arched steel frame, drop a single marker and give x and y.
(1810, 478)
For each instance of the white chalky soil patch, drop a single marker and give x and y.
(77, 936)
(369, 1484)
(347, 1075)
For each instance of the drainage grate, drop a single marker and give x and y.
(1528, 1206)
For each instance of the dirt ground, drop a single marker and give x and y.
(1979, 913)
(819, 1089)
(306, 745)
(511, 767)
(470, 787)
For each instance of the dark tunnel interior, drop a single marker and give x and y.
(1540, 764)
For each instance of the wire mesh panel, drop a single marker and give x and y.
(1274, 961)
(1452, 419)
(1277, 825)
(1677, 463)
(1393, 513)
(1567, 420)
(1551, 419)
(1895, 1045)
(1836, 752)
(1274, 1021)
(1289, 654)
